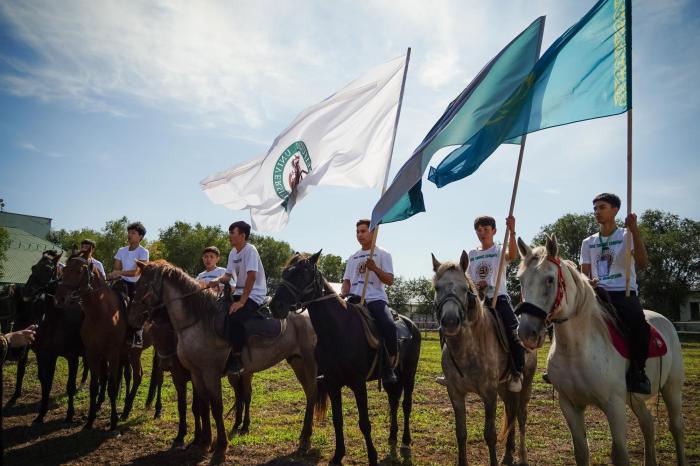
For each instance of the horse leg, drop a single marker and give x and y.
(213, 384)
(337, 407)
(617, 419)
(646, 423)
(235, 382)
(103, 377)
(159, 403)
(247, 385)
(510, 402)
(460, 410)
(84, 377)
(197, 413)
(490, 435)
(21, 369)
(671, 392)
(70, 385)
(135, 363)
(365, 426)
(577, 427)
(127, 378)
(394, 394)
(522, 423)
(200, 395)
(47, 367)
(181, 389)
(96, 379)
(113, 390)
(308, 382)
(153, 384)
(407, 405)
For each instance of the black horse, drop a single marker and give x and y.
(343, 355)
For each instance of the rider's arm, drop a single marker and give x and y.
(512, 251)
(385, 277)
(225, 278)
(640, 251)
(586, 269)
(345, 288)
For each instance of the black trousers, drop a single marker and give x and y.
(634, 324)
(386, 325)
(235, 330)
(505, 310)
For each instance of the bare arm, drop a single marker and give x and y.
(384, 277)
(586, 269)
(512, 252)
(345, 288)
(640, 251)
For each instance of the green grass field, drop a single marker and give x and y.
(277, 412)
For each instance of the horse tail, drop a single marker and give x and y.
(512, 402)
(321, 403)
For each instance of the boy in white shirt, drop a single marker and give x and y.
(603, 261)
(381, 273)
(251, 289)
(210, 258)
(88, 245)
(126, 270)
(483, 269)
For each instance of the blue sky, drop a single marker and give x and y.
(121, 108)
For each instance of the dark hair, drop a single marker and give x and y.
(138, 227)
(242, 226)
(212, 249)
(89, 242)
(362, 221)
(610, 198)
(484, 221)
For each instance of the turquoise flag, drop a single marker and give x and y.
(463, 118)
(585, 74)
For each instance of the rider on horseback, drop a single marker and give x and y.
(125, 269)
(603, 261)
(88, 246)
(251, 289)
(210, 258)
(376, 299)
(483, 267)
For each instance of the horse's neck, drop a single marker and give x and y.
(477, 337)
(330, 320)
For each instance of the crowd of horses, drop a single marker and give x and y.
(329, 344)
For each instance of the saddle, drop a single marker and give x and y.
(499, 326)
(370, 327)
(260, 329)
(657, 346)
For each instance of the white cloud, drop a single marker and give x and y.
(28, 146)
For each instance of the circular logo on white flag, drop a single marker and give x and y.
(291, 167)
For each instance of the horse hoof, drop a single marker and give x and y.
(304, 447)
(217, 458)
(87, 427)
(38, 421)
(405, 450)
(178, 445)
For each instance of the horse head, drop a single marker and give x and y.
(301, 282)
(44, 273)
(543, 291)
(78, 276)
(455, 294)
(147, 296)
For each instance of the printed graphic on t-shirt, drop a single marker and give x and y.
(483, 271)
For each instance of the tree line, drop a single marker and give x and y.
(673, 247)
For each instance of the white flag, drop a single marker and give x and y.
(344, 140)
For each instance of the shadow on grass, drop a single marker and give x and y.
(312, 457)
(191, 456)
(18, 435)
(58, 449)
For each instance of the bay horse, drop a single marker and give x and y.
(343, 355)
(103, 332)
(193, 313)
(474, 361)
(583, 365)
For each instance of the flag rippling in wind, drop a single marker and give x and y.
(345, 140)
(586, 73)
(463, 118)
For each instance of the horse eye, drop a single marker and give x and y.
(550, 280)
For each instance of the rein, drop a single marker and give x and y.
(315, 288)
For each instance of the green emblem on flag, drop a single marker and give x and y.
(285, 180)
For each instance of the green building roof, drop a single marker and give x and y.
(24, 251)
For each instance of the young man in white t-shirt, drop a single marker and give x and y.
(603, 261)
(381, 273)
(126, 270)
(88, 246)
(251, 289)
(483, 270)
(210, 259)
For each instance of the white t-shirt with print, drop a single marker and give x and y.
(240, 263)
(483, 265)
(100, 268)
(209, 275)
(128, 259)
(355, 273)
(606, 256)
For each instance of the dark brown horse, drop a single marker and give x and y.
(103, 332)
(344, 357)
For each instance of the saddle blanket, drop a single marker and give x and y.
(657, 345)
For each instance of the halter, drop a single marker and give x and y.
(76, 292)
(313, 288)
(471, 301)
(536, 311)
(155, 289)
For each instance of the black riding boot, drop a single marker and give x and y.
(637, 380)
(388, 372)
(234, 365)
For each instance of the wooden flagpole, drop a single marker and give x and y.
(506, 239)
(628, 241)
(386, 173)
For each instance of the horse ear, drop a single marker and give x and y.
(523, 248)
(314, 259)
(58, 258)
(140, 264)
(464, 261)
(436, 263)
(551, 245)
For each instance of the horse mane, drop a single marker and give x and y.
(203, 304)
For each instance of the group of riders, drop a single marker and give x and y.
(602, 260)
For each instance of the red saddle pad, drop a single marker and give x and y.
(657, 345)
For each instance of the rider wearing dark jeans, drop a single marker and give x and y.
(381, 273)
(510, 322)
(244, 263)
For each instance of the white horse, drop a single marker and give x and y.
(583, 365)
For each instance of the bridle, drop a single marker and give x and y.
(463, 309)
(154, 289)
(548, 317)
(311, 293)
(38, 291)
(85, 286)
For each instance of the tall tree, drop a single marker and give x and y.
(332, 267)
(182, 244)
(399, 294)
(570, 230)
(273, 255)
(423, 294)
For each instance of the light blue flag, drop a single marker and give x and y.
(584, 74)
(463, 118)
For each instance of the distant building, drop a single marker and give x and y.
(690, 308)
(27, 243)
